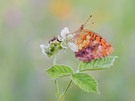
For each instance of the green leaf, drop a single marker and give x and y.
(97, 64)
(85, 82)
(57, 71)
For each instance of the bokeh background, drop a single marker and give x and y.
(25, 24)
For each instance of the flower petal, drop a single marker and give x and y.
(73, 46)
(64, 32)
(43, 47)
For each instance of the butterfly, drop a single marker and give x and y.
(90, 45)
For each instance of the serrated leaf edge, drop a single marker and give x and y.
(99, 68)
(97, 91)
(61, 75)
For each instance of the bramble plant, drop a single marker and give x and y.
(79, 78)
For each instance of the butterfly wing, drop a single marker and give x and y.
(91, 46)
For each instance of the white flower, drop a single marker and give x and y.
(66, 35)
(64, 32)
(43, 47)
(63, 35)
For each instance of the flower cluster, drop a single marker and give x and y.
(62, 41)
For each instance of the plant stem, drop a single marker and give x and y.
(54, 60)
(67, 89)
(57, 88)
(60, 96)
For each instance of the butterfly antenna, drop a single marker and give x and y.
(87, 20)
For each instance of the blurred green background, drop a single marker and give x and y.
(25, 24)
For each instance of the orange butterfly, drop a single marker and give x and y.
(90, 45)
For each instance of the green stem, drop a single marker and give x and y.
(57, 88)
(60, 96)
(54, 60)
(66, 89)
